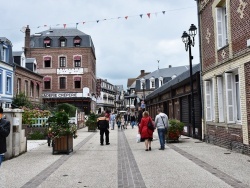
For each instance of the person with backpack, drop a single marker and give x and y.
(161, 123)
(103, 126)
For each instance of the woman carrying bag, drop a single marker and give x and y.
(145, 132)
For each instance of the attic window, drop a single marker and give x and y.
(62, 42)
(47, 43)
(77, 42)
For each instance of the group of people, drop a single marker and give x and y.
(143, 119)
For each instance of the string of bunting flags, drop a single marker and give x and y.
(149, 15)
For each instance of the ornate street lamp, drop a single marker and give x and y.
(189, 41)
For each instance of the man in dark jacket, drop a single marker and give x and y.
(4, 132)
(103, 125)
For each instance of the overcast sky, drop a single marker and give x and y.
(123, 46)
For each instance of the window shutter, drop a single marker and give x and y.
(208, 100)
(220, 99)
(229, 97)
(219, 27)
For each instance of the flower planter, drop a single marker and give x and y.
(173, 136)
(63, 144)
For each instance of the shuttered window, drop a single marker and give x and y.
(208, 102)
(220, 99)
(229, 97)
(221, 20)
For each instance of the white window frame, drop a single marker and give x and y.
(8, 84)
(142, 81)
(222, 25)
(220, 99)
(233, 98)
(152, 83)
(208, 100)
(160, 81)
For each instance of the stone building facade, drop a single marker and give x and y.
(225, 42)
(66, 60)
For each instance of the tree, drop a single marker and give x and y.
(22, 100)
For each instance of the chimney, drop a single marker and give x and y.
(169, 66)
(27, 42)
(142, 72)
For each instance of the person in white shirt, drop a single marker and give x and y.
(161, 123)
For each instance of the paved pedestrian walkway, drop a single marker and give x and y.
(125, 163)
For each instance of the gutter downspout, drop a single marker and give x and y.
(201, 81)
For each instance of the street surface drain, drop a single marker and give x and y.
(227, 153)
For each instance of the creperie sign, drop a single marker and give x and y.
(58, 95)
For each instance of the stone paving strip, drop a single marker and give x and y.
(216, 172)
(42, 176)
(129, 175)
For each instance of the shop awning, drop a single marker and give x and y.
(77, 78)
(47, 58)
(46, 41)
(77, 40)
(78, 58)
(46, 79)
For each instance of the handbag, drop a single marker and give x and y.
(138, 138)
(150, 125)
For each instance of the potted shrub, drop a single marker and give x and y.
(91, 123)
(61, 132)
(175, 130)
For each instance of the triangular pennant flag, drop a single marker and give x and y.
(141, 15)
(126, 17)
(148, 15)
(163, 12)
(64, 25)
(97, 21)
(83, 22)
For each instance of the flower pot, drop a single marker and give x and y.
(173, 136)
(63, 144)
(92, 126)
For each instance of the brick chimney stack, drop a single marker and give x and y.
(142, 72)
(27, 42)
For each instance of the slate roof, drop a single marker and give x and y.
(131, 81)
(37, 39)
(165, 87)
(167, 72)
(30, 60)
(17, 53)
(4, 39)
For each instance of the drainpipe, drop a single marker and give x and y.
(201, 81)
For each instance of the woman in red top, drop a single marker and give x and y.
(146, 133)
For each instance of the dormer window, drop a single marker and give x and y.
(77, 41)
(142, 82)
(152, 83)
(47, 42)
(62, 42)
(160, 81)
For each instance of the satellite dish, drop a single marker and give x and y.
(23, 29)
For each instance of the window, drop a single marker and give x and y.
(18, 86)
(232, 98)
(209, 101)
(47, 84)
(152, 83)
(62, 62)
(160, 81)
(31, 89)
(62, 82)
(1, 79)
(220, 99)
(77, 63)
(4, 53)
(62, 43)
(77, 84)
(47, 42)
(221, 18)
(37, 91)
(77, 42)
(26, 88)
(8, 85)
(47, 62)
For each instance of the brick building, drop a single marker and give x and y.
(66, 59)
(26, 79)
(225, 42)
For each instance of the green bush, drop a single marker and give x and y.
(175, 125)
(37, 135)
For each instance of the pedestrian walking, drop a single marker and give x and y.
(103, 126)
(145, 132)
(161, 123)
(132, 120)
(139, 115)
(127, 119)
(4, 132)
(112, 121)
(122, 122)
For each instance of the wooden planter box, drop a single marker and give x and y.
(173, 136)
(92, 127)
(64, 144)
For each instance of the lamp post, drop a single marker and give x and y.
(189, 41)
(143, 89)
